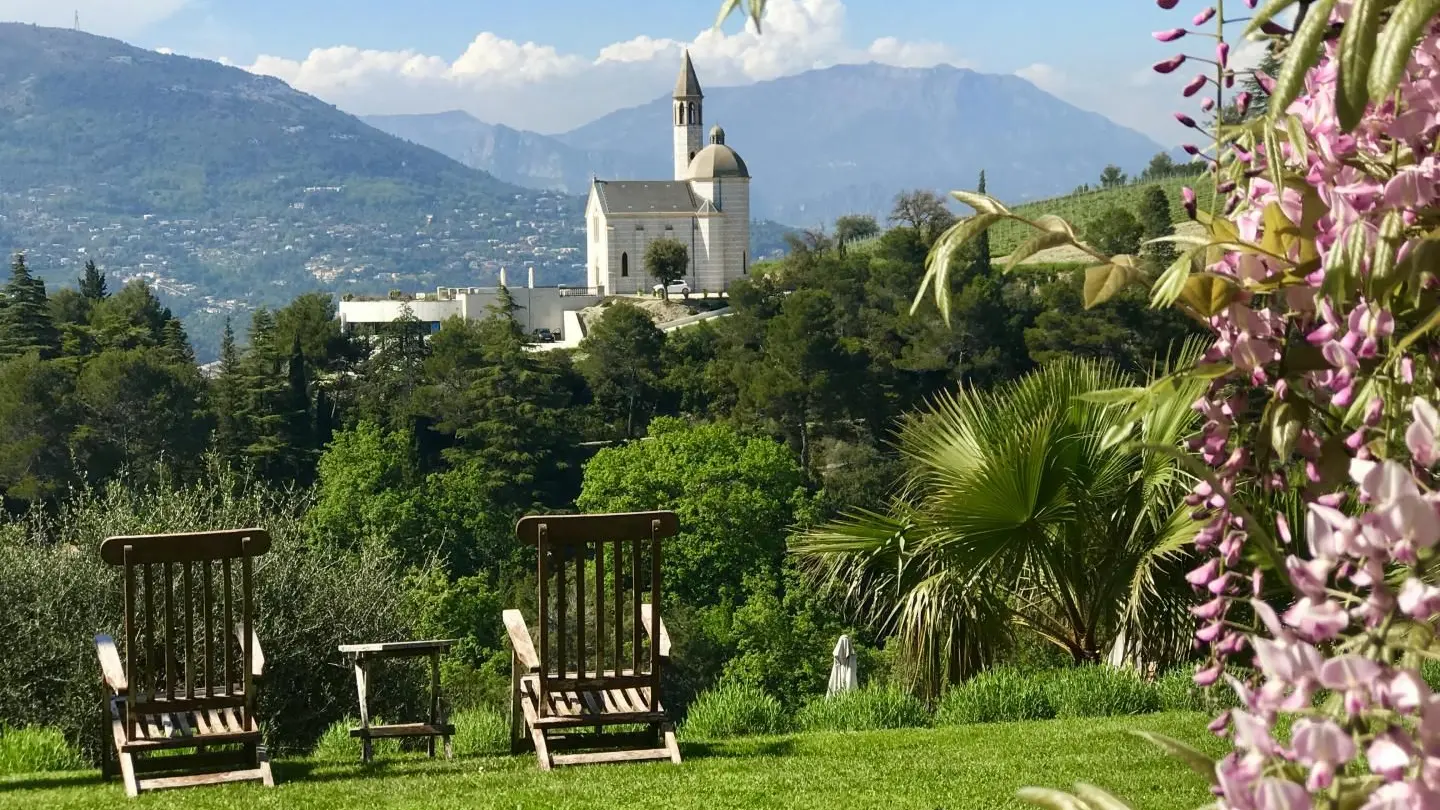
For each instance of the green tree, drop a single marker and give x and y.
(25, 322)
(852, 227)
(735, 496)
(621, 360)
(981, 264)
(227, 400)
(36, 420)
(1126, 331)
(1161, 166)
(130, 319)
(1114, 231)
(1016, 518)
(390, 376)
(693, 382)
(1155, 223)
(176, 344)
(141, 415)
(1112, 177)
(92, 284)
(367, 492)
(667, 260)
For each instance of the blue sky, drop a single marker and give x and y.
(551, 65)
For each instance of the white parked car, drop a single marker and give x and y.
(678, 288)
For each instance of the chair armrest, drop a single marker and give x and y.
(663, 638)
(257, 655)
(520, 640)
(110, 667)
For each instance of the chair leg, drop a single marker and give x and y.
(127, 771)
(262, 760)
(107, 763)
(667, 730)
(517, 714)
(542, 749)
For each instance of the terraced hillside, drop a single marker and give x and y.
(1078, 208)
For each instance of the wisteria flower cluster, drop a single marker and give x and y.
(1316, 469)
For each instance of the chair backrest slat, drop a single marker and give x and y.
(165, 665)
(571, 655)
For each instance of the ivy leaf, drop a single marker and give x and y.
(982, 203)
(1357, 48)
(1050, 799)
(1266, 14)
(1103, 281)
(937, 265)
(1208, 293)
(1172, 282)
(1198, 761)
(1392, 54)
(1304, 50)
(1041, 241)
(1098, 798)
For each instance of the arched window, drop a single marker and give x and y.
(694, 119)
(624, 264)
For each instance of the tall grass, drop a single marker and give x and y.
(869, 709)
(36, 749)
(1100, 691)
(733, 710)
(996, 696)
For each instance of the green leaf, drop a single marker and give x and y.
(1284, 429)
(1050, 799)
(1116, 434)
(1267, 13)
(1115, 396)
(1180, 239)
(982, 203)
(1302, 54)
(1198, 761)
(726, 9)
(1418, 332)
(1387, 251)
(1397, 44)
(1054, 224)
(1357, 48)
(1296, 136)
(1098, 798)
(937, 266)
(1103, 281)
(1041, 241)
(1208, 293)
(1169, 286)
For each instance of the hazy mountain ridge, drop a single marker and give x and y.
(829, 141)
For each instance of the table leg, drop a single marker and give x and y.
(434, 701)
(361, 686)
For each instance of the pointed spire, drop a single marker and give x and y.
(688, 84)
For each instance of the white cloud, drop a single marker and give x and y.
(534, 86)
(1046, 77)
(108, 17)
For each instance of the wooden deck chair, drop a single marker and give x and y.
(602, 647)
(187, 680)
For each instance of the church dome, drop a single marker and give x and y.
(717, 160)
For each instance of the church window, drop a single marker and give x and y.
(694, 119)
(669, 227)
(624, 264)
(639, 227)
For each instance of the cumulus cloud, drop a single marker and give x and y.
(115, 18)
(534, 86)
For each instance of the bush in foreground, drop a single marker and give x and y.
(36, 749)
(734, 710)
(870, 709)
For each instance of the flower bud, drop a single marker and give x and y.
(1266, 83)
(1273, 28)
(1187, 196)
(1207, 104)
(1185, 120)
(1230, 79)
(1190, 148)
(1170, 35)
(1193, 86)
(1167, 4)
(1222, 53)
(1242, 101)
(1251, 3)
(1169, 65)
(1204, 16)
(1374, 410)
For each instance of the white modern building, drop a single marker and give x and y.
(706, 207)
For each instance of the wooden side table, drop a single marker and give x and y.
(438, 726)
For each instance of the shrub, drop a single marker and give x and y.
(1099, 691)
(1177, 692)
(867, 709)
(59, 595)
(481, 732)
(999, 695)
(734, 710)
(35, 749)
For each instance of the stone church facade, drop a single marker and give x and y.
(706, 207)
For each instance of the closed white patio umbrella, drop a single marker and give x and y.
(844, 672)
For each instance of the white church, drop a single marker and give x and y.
(706, 208)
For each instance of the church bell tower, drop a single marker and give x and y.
(688, 118)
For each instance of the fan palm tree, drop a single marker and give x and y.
(1026, 509)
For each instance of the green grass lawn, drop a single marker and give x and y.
(969, 767)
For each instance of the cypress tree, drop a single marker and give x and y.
(176, 344)
(25, 322)
(262, 414)
(92, 284)
(229, 439)
(1155, 221)
(981, 265)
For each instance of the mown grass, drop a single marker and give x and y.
(1077, 209)
(970, 767)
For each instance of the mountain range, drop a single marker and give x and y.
(823, 143)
